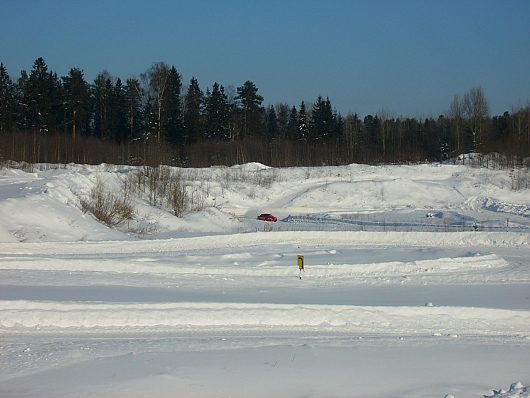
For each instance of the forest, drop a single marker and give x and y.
(157, 119)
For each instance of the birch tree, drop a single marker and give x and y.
(157, 77)
(477, 112)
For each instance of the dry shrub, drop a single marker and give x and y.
(107, 208)
(163, 187)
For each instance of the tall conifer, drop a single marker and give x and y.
(192, 112)
(7, 101)
(217, 114)
(173, 125)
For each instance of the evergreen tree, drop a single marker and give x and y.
(217, 114)
(7, 101)
(150, 120)
(282, 110)
(38, 95)
(192, 113)
(173, 126)
(251, 101)
(118, 112)
(322, 119)
(22, 112)
(292, 124)
(272, 123)
(77, 102)
(372, 127)
(101, 102)
(302, 131)
(57, 115)
(338, 124)
(134, 95)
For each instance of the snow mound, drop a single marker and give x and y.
(508, 208)
(516, 390)
(252, 166)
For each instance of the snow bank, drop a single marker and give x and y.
(402, 321)
(297, 238)
(328, 271)
(516, 390)
(44, 205)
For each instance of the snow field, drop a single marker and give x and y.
(207, 306)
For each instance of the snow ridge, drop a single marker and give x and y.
(425, 320)
(329, 271)
(300, 238)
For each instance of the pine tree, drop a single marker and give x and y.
(338, 124)
(217, 114)
(292, 124)
(322, 119)
(101, 102)
(173, 126)
(38, 95)
(282, 110)
(22, 111)
(303, 129)
(134, 95)
(118, 112)
(150, 120)
(57, 115)
(192, 113)
(272, 123)
(77, 102)
(7, 101)
(251, 101)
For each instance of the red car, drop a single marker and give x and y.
(267, 217)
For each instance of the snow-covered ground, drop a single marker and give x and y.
(416, 284)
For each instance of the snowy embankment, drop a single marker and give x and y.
(22, 316)
(327, 271)
(516, 390)
(300, 238)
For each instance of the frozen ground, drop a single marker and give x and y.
(392, 302)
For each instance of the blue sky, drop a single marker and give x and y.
(407, 57)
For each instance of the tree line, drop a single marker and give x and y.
(156, 119)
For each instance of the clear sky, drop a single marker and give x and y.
(403, 57)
